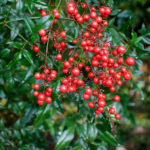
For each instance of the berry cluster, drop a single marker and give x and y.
(103, 63)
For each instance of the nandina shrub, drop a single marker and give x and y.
(64, 69)
(104, 62)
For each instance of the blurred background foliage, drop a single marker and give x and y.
(24, 125)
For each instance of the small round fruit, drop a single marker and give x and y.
(37, 75)
(91, 104)
(117, 98)
(88, 91)
(36, 86)
(121, 49)
(41, 97)
(86, 96)
(117, 116)
(63, 88)
(42, 32)
(63, 34)
(130, 61)
(127, 75)
(75, 71)
(48, 99)
(36, 48)
(59, 56)
(40, 102)
(112, 110)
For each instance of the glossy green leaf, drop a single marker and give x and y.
(28, 56)
(29, 24)
(65, 138)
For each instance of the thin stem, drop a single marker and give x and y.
(20, 19)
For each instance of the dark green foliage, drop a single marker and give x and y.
(60, 125)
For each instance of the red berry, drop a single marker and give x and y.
(112, 110)
(112, 89)
(95, 63)
(36, 86)
(75, 71)
(94, 24)
(97, 112)
(80, 65)
(86, 96)
(117, 98)
(40, 102)
(127, 75)
(99, 19)
(36, 48)
(121, 49)
(42, 32)
(71, 10)
(117, 116)
(37, 75)
(59, 56)
(36, 93)
(63, 34)
(101, 103)
(63, 88)
(91, 104)
(48, 99)
(41, 97)
(88, 91)
(44, 38)
(93, 15)
(86, 17)
(130, 61)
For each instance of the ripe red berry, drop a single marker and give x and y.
(57, 15)
(63, 34)
(117, 98)
(130, 61)
(36, 86)
(63, 88)
(41, 97)
(84, 5)
(86, 17)
(44, 39)
(36, 48)
(71, 10)
(93, 15)
(36, 93)
(112, 110)
(127, 75)
(67, 64)
(112, 89)
(43, 13)
(80, 20)
(101, 103)
(88, 91)
(121, 49)
(40, 102)
(95, 63)
(117, 116)
(75, 71)
(48, 99)
(94, 24)
(80, 65)
(37, 75)
(86, 96)
(59, 56)
(99, 19)
(91, 104)
(42, 32)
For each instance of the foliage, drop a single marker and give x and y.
(25, 125)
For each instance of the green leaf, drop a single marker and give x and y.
(115, 36)
(42, 115)
(15, 45)
(14, 32)
(108, 137)
(115, 12)
(43, 23)
(29, 24)
(65, 138)
(5, 53)
(28, 56)
(77, 148)
(19, 5)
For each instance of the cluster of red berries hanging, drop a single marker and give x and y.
(103, 61)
